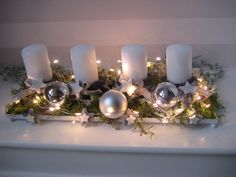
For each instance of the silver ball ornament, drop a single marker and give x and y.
(56, 92)
(113, 104)
(165, 94)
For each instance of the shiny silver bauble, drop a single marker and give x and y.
(166, 94)
(113, 104)
(55, 93)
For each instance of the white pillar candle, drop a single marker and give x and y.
(134, 62)
(179, 63)
(84, 64)
(36, 61)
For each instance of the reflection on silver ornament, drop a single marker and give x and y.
(113, 104)
(166, 94)
(56, 92)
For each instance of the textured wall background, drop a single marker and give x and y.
(208, 25)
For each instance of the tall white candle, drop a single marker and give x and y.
(36, 61)
(134, 62)
(84, 64)
(179, 63)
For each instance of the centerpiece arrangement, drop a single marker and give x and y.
(138, 93)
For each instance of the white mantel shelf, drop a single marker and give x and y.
(168, 143)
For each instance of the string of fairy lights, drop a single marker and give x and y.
(39, 99)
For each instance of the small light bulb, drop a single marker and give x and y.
(98, 61)
(119, 61)
(131, 89)
(119, 72)
(191, 112)
(37, 97)
(165, 121)
(111, 69)
(136, 112)
(51, 109)
(200, 79)
(207, 105)
(149, 64)
(165, 105)
(199, 97)
(17, 101)
(158, 58)
(72, 76)
(77, 114)
(73, 122)
(35, 101)
(205, 87)
(57, 104)
(57, 107)
(179, 110)
(55, 61)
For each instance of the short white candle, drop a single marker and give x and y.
(36, 61)
(84, 64)
(179, 63)
(134, 62)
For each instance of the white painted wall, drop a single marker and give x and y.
(208, 25)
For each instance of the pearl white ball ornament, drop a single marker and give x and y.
(113, 104)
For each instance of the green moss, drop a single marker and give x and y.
(108, 77)
(212, 112)
(140, 105)
(94, 106)
(62, 74)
